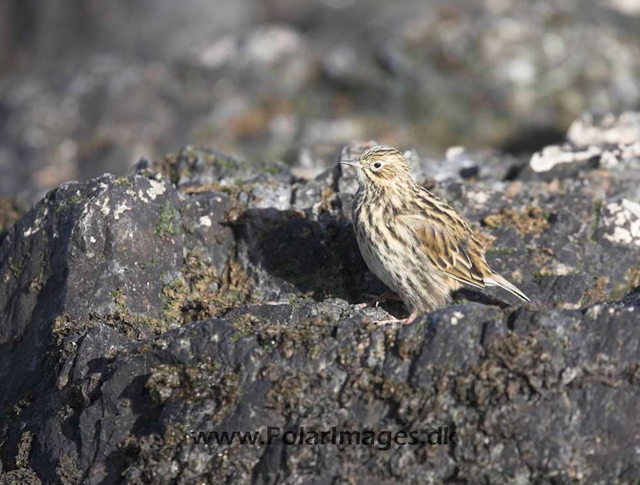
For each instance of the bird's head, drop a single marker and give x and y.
(381, 166)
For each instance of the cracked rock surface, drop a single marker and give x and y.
(200, 293)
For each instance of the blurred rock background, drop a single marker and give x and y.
(216, 289)
(88, 87)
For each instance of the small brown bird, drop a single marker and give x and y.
(417, 244)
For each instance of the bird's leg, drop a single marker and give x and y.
(376, 300)
(410, 318)
(406, 321)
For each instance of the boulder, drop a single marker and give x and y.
(141, 317)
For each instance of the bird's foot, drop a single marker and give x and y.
(393, 320)
(376, 300)
(410, 318)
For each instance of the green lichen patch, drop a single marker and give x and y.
(202, 293)
(295, 393)
(134, 326)
(166, 167)
(65, 204)
(21, 476)
(206, 379)
(126, 181)
(247, 325)
(67, 470)
(159, 458)
(167, 225)
(24, 450)
(63, 327)
(309, 336)
(17, 266)
(514, 365)
(154, 458)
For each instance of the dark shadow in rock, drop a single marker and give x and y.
(479, 297)
(532, 139)
(147, 422)
(99, 364)
(316, 257)
(319, 258)
(25, 359)
(632, 299)
(70, 427)
(395, 308)
(144, 407)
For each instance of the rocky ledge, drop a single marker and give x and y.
(201, 293)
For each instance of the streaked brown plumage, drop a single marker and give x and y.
(418, 245)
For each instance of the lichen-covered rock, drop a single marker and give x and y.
(201, 294)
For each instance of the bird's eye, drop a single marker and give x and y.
(377, 165)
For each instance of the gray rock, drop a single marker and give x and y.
(139, 314)
(606, 130)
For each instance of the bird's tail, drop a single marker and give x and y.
(497, 280)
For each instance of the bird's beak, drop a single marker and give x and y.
(352, 164)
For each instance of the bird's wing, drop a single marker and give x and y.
(449, 243)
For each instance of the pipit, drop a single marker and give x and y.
(417, 244)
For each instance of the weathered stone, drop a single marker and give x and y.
(137, 312)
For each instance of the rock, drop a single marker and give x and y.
(270, 59)
(607, 145)
(607, 130)
(140, 315)
(513, 52)
(633, 298)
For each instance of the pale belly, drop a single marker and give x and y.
(387, 267)
(408, 274)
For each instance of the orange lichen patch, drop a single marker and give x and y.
(633, 276)
(542, 256)
(513, 189)
(555, 186)
(532, 220)
(597, 292)
(231, 190)
(631, 280)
